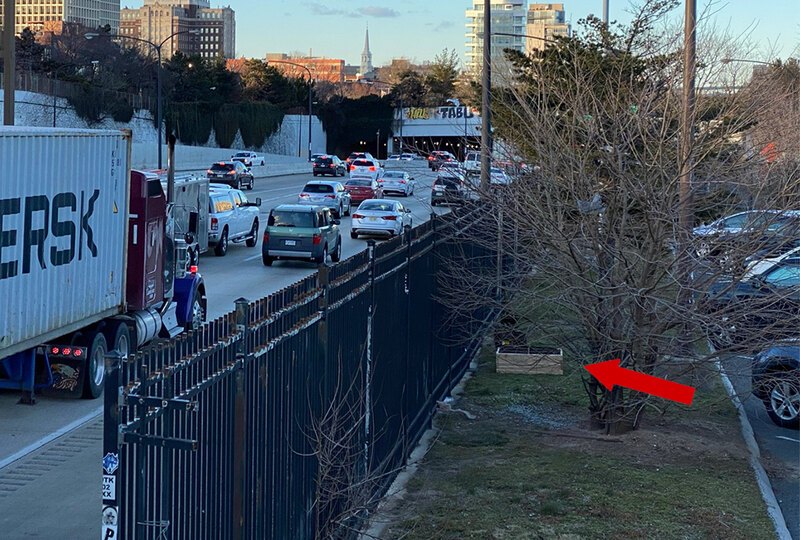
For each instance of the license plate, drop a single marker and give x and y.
(372, 219)
(291, 243)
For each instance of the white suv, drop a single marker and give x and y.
(472, 163)
(231, 218)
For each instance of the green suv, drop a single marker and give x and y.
(300, 232)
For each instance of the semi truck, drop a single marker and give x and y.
(90, 260)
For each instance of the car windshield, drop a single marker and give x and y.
(318, 188)
(363, 163)
(408, 155)
(288, 218)
(222, 167)
(360, 183)
(377, 206)
(443, 181)
(393, 174)
(243, 154)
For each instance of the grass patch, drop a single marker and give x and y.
(684, 475)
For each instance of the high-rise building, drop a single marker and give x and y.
(36, 14)
(157, 19)
(545, 23)
(366, 57)
(508, 17)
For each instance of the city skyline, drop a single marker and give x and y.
(419, 29)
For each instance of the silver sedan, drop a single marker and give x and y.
(397, 182)
(380, 216)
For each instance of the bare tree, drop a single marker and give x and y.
(589, 233)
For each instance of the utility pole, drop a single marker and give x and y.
(686, 210)
(605, 12)
(486, 100)
(9, 62)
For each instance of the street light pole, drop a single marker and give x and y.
(310, 80)
(486, 103)
(159, 106)
(9, 62)
(378, 145)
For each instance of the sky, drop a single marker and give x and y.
(419, 29)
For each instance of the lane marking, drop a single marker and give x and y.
(787, 438)
(51, 437)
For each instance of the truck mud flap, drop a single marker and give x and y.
(66, 363)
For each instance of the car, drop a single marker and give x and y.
(231, 218)
(326, 164)
(451, 166)
(437, 157)
(328, 194)
(764, 307)
(300, 232)
(499, 177)
(365, 168)
(776, 381)
(358, 155)
(397, 182)
(472, 163)
(380, 216)
(449, 189)
(361, 189)
(232, 173)
(410, 157)
(248, 158)
(393, 157)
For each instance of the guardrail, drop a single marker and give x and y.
(289, 417)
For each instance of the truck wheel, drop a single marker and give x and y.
(222, 246)
(95, 370)
(118, 338)
(198, 313)
(252, 238)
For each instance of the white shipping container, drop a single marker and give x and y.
(63, 231)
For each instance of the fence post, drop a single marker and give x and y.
(240, 419)
(111, 446)
(368, 359)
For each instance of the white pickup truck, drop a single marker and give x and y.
(248, 158)
(232, 218)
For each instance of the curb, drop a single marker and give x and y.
(764, 485)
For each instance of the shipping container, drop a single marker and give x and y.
(64, 197)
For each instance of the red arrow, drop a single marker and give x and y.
(610, 374)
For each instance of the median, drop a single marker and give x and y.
(515, 458)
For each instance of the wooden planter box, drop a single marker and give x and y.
(529, 360)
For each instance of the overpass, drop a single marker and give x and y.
(424, 129)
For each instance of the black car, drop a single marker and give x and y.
(331, 165)
(437, 157)
(776, 381)
(764, 308)
(448, 189)
(233, 173)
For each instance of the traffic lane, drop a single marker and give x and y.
(780, 447)
(241, 274)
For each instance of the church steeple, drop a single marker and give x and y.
(366, 56)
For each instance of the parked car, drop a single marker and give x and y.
(301, 232)
(328, 194)
(380, 216)
(361, 189)
(764, 307)
(437, 157)
(331, 165)
(248, 158)
(776, 381)
(365, 168)
(232, 173)
(449, 189)
(397, 182)
(232, 218)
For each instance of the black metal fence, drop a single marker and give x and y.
(289, 417)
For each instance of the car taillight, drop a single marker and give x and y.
(214, 224)
(331, 165)
(358, 216)
(316, 239)
(209, 171)
(390, 218)
(231, 172)
(372, 168)
(402, 181)
(266, 237)
(330, 196)
(304, 195)
(430, 158)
